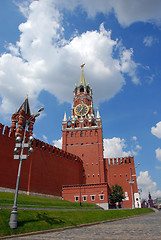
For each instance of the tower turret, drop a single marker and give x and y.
(19, 118)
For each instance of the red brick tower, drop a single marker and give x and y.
(20, 117)
(82, 132)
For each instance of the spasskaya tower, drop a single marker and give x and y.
(82, 133)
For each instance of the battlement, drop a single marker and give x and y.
(119, 161)
(5, 130)
(56, 151)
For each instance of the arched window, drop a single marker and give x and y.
(81, 134)
(69, 124)
(82, 89)
(77, 124)
(85, 123)
(88, 91)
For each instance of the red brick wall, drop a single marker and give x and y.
(70, 192)
(89, 148)
(117, 172)
(44, 171)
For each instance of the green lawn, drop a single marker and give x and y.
(34, 220)
(7, 199)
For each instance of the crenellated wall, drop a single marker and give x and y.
(45, 170)
(118, 171)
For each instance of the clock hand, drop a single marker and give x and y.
(81, 109)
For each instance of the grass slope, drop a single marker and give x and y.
(34, 220)
(7, 199)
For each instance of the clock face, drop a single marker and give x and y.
(81, 109)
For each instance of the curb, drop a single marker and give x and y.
(70, 227)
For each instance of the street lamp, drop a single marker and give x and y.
(131, 183)
(22, 146)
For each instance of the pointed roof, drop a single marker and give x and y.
(82, 80)
(65, 117)
(25, 106)
(98, 114)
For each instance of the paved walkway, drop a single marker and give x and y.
(139, 228)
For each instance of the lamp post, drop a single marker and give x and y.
(131, 183)
(13, 217)
(80, 197)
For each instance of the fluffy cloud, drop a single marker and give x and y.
(156, 131)
(43, 59)
(158, 154)
(127, 12)
(115, 147)
(58, 143)
(149, 41)
(146, 184)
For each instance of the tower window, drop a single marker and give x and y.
(69, 124)
(71, 134)
(81, 89)
(87, 90)
(81, 134)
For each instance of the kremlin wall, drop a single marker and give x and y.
(78, 172)
(45, 170)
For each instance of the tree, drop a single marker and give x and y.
(116, 194)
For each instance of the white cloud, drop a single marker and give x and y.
(138, 147)
(58, 143)
(149, 41)
(156, 131)
(45, 138)
(158, 167)
(115, 147)
(158, 154)
(43, 59)
(128, 65)
(127, 12)
(134, 138)
(150, 79)
(147, 185)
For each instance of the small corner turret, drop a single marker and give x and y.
(19, 118)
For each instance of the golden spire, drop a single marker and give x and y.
(82, 80)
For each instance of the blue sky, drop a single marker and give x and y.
(42, 45)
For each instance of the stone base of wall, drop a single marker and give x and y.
(105, 206)
(28, 193)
